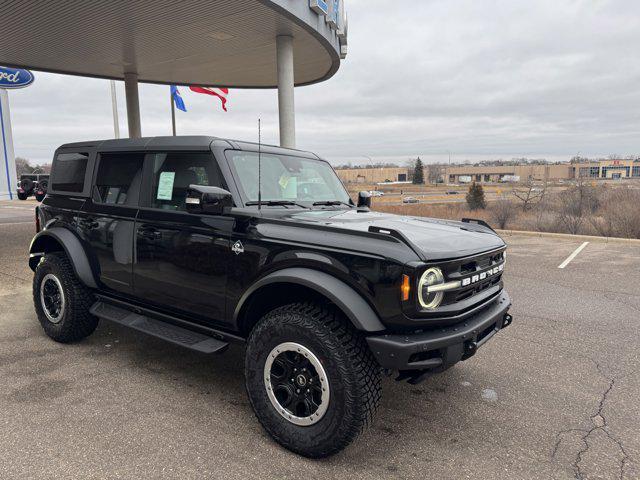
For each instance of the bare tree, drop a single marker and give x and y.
(45, 167)
(502, 212)
(529, 194)
(575, 204)
(621, 210)
(435, 172)
(23, 166)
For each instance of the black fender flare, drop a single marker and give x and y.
(73, 248)
(350, 302)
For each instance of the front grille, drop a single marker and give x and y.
(468, 267)
(480, 288)
(459, 295)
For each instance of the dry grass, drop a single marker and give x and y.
(582, 209)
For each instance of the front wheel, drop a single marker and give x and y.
(311, 379)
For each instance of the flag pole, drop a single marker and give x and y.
(173, 113)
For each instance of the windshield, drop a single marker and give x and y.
(286, 179)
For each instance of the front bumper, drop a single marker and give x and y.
(440, 348)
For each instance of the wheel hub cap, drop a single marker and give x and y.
(296, 384)
(52, 298)
(301, 380)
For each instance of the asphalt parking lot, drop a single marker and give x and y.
(553, 396)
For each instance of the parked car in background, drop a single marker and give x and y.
(376, 193)
(410, 200)
(33, 184)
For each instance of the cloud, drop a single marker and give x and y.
(502, 78)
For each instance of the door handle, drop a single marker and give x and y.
(150, 233)
(89, 224)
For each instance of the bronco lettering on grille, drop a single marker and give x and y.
(481, 276)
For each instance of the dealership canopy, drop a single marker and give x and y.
(239, 43)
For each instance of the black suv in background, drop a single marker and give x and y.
(203, 241)
(33, 184)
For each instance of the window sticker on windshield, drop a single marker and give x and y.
(289, 187)
(165, 185)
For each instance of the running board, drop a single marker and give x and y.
(157, 328)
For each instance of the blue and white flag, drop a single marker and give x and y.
(177, 98)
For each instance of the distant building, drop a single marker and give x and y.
(374, 175)
(489, 173)
(601, 169)
(612, 169)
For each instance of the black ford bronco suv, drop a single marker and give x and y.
(203, 241)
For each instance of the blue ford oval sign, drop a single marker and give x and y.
(15, 77)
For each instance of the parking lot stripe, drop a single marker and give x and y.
(573, 255)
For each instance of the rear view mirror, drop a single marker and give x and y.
(207, 200)
(364, 199)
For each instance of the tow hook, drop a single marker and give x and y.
(506, 321)
(470, 349)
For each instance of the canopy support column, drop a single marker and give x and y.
(7, 158)
(133, 104)
(286, 107)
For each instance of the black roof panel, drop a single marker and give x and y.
(186, 142)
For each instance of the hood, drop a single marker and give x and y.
(436, 238)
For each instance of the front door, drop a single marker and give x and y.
(107, 220)
(181, 258)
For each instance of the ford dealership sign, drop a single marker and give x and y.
(15, 77)
(335, 17)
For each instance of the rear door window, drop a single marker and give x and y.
(68, 172)
(119, 178)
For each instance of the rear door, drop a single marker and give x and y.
(181, 258)
(107, 219)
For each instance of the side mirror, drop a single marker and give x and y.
(364, 199)
(208, 200)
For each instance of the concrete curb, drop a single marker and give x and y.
(581, 238)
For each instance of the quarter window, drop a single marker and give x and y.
(68, 172)
(174, 172)
(119, 178)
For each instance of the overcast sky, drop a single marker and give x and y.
(479, 79)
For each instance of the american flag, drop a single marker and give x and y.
(221, 93)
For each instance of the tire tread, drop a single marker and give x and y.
(342, 340)
(77, 323)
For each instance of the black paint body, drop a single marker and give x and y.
(183, 264)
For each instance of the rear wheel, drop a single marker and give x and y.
(61, 301)
(40, 196)
(311, 379)
(22, 195)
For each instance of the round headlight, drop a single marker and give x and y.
(430, 300)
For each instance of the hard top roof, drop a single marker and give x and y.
(186, 142)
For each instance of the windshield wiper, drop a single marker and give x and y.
(275, 203)
(329, 203)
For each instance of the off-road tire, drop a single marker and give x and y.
(76, 322)
(22, 196)
(39, 198)
(354, 377)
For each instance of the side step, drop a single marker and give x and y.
(157, 328)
